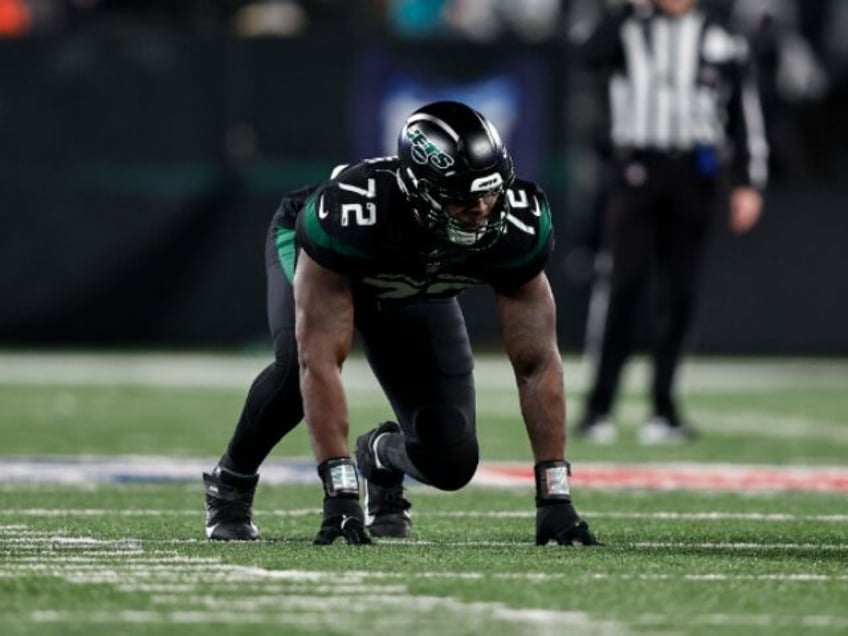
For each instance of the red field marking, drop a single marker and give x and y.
(658, 476)
(679, 477)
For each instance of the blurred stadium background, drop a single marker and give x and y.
(146, 144)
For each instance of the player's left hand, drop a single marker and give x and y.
(342, 518)
(556, 518)
(560, 522)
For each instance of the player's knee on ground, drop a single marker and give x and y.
(443, 447)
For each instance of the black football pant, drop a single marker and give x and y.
(420, 354)
(657, 223)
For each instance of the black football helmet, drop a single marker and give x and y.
(450, 153)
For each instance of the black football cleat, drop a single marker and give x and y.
(229, 498)
(386, 509)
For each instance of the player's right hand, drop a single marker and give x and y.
(342, 518)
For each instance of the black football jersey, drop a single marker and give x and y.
(360, 224)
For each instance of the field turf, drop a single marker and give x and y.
(103, 556)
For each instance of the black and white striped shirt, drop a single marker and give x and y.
(678, 83)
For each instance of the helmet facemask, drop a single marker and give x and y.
(431, 206)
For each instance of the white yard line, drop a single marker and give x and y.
(440, 615)
(78, 550)
(749, 620)
(460, 514)
(533, 620)
(181, 590)
(114, 571)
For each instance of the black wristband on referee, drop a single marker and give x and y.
(552, 482)
(339, 477)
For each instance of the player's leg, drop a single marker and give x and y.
(422, 357)
(272, 408)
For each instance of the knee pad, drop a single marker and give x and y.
(443, 447)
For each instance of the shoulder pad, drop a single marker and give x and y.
(529, 207)
(356, 197)
(529, 229)
(348, 212)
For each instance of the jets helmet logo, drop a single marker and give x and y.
(424, 151)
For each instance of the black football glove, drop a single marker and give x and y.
(560, 522)
(556, 518)
(342, 513)
(342, 518)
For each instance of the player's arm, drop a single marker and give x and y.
(528, 321)
(324, 329)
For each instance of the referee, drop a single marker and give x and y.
(682, 98)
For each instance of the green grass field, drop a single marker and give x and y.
(96, 557)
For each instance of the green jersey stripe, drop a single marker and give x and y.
(545, 228)
(284, 240)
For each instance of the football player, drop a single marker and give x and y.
(383, 248)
